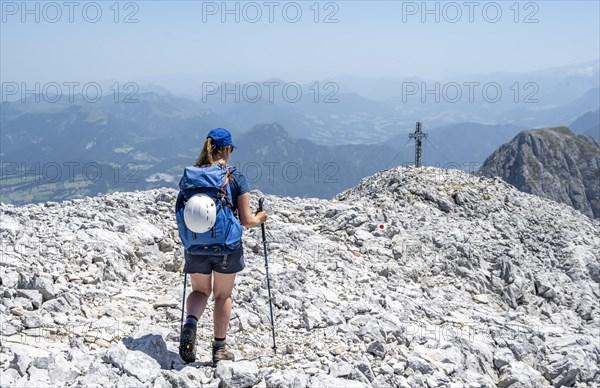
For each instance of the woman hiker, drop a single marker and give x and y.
(216, 274)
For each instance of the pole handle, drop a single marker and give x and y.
(261, 201)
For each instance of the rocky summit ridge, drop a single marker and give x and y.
(415, 277)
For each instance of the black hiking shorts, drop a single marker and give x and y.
(232, 263)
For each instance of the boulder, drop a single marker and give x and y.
(240, 374)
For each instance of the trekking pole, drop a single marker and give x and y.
(183, 301)
(260, 208)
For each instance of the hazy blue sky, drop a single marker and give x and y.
(374, 38)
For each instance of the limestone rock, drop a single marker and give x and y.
(40, 283)
(62, 371)
(237, 374)
(152, 345)
(287, 379)
(322, 381)
(376, 348)
(33, 295)
(134, 363)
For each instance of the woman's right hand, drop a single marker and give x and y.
(248, 219)
(262, 217)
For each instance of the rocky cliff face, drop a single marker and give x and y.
(415, 277)
(553, 163)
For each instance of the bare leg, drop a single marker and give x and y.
(196, 301)
(223, 285)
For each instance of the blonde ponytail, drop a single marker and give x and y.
(207, 155)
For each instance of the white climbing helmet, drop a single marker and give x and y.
(200, 213)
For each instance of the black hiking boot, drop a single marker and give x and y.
(220, 353)
(187, 343)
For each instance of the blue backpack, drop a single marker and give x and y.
(225, 237)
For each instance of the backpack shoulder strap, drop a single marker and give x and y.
(234, 181)
(225, 190)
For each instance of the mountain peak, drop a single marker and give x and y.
(274, 130)
(551, 162)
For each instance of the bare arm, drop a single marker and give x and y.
(246, 217)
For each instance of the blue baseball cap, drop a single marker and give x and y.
(221, 137)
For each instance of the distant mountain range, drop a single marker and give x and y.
(557, 86)
(362, 110)
(554, 163)
(549, 97)
(353, 110)
(63, 150)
